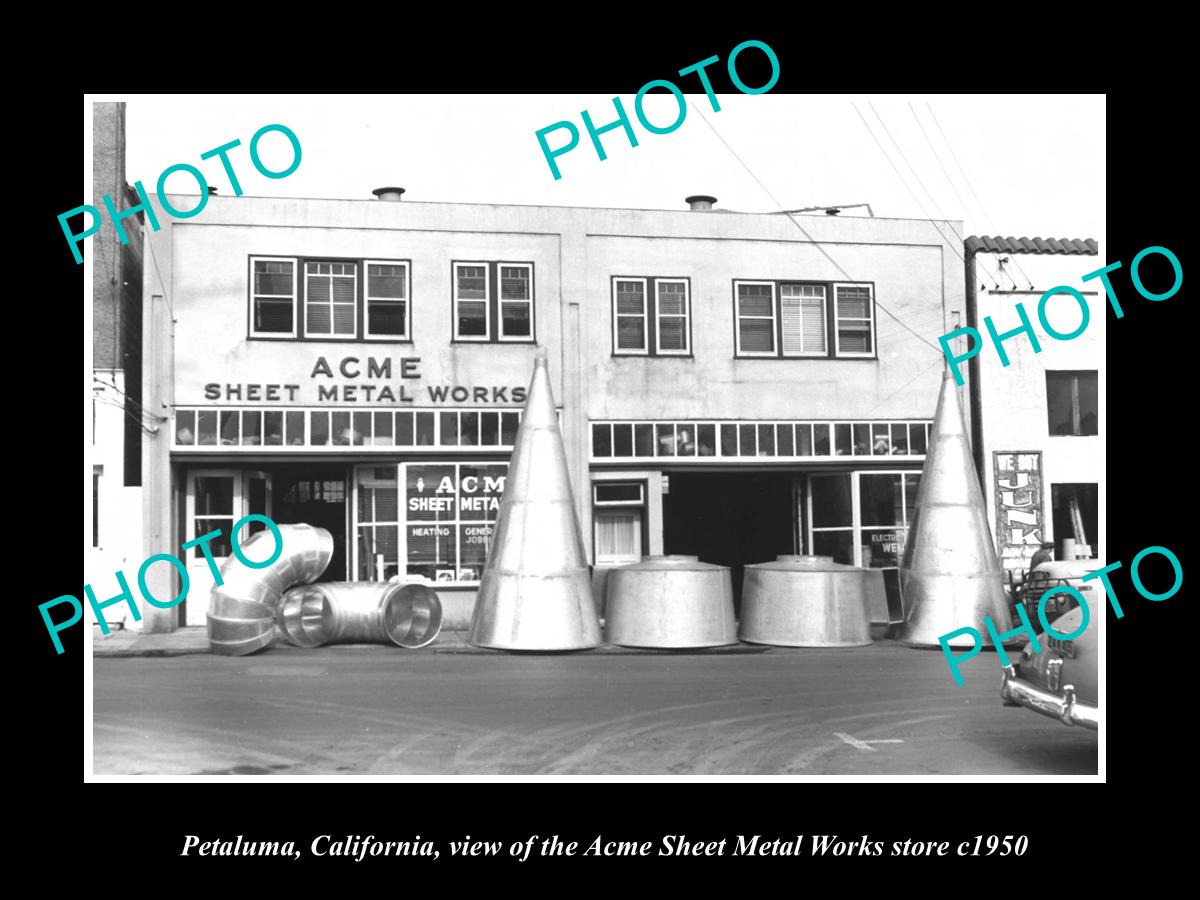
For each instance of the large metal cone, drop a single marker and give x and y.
(536, 591)
(950, 577)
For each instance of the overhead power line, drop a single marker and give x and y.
(811, 239)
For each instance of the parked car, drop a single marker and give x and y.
(1061, 679)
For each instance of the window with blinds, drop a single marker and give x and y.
(672, 316)
(387, 300)
(855, 316)
(629, 300)
(516, 301)
(791, 319)
(802, 319)
(330, 298)
(493, 301)
(756, 318)
(471, 301)
(272, 297)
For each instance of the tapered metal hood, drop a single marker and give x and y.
(536, 592)
(950, 577)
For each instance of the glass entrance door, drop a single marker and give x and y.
(216, 499)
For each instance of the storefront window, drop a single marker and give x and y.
(871, 534)
(430, 521)
(832, 517)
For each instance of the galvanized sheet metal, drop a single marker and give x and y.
(808, 601)
(950, 576)
(671, 602)
(535, 592)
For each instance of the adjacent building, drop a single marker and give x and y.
(118, 421)
(730, 385)
(1039, 424)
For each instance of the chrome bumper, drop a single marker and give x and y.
(1016, 691)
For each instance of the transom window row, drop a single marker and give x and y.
(644, 440)
(345, 428)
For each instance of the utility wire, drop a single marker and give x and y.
(953, 187)
(867, 414)
(811, 239)
(907, 187)
(137, 404)
(967, 181)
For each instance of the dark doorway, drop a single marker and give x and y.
(315, 494)
(730, 519)
(1075, 509)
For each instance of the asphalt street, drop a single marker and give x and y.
(880, 710)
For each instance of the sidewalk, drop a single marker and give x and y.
(194, 640)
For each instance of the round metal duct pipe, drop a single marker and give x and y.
(670, 602)
(808, 601)
(353, 612)
(241, 611)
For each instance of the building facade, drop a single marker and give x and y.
(1043, 439)
(117, 415)
(729, 385)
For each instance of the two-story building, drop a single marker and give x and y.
(730, 385)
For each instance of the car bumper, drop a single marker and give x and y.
(1016, 691)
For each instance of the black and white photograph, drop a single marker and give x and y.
(693, 433)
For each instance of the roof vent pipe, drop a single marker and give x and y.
(699, 202)
(391, 194)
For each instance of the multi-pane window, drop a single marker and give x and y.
(387, 300)
(671, 316)
(756, 318)
(651, 317)
(740, 439)
(855, 315)
(796, 319)
(470, 301)
(330, 299)
(862, 518)
(427, 522)
(630, 327)
(272, 297)
(802, 319)
(617, 522)
(516, 302)
(493, 301)
(1072, 403)
(458, 429)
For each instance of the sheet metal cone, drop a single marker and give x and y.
(950, 577)
(536, 591)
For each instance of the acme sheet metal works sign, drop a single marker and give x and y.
(365, 381)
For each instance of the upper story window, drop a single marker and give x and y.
(388, 311)
(485, 312)
(273, 297)
(1072, 403)
(327, 299)
(651, 317)
(795, 319)
(330, 299)
(855, 320)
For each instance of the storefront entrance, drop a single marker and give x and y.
(216, 498)
(315, 495)
(730, 519)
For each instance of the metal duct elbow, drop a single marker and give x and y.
(241, 610)
(409, 616)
